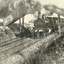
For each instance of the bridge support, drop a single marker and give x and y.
(22, 21)
(20, 24)
(59, 29)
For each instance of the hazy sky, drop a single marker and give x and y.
(59, 3)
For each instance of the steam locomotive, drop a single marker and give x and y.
(45, 26)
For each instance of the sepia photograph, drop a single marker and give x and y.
(31, 31)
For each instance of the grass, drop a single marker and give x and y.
(50, 55)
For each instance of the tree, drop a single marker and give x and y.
(19, 8)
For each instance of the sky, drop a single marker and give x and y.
(59, 3)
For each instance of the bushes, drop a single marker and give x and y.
(6, 35)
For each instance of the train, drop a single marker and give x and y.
(42, 27)
(45, 26)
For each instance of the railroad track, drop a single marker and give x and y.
(12, 46)
(3, 43)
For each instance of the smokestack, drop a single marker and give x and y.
(44, 16)
(39, 14)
